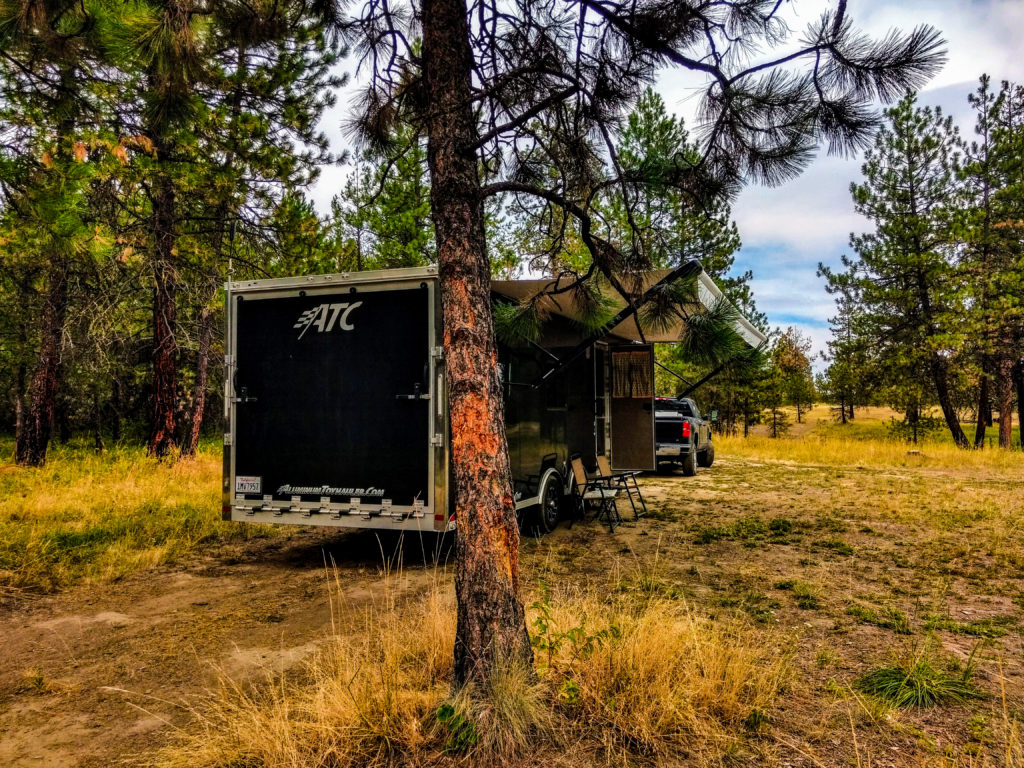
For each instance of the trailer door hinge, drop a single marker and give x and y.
(437, 352)
(437, 440)
(229, 359)
(227, 439)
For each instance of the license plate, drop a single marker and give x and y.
(247, 484)
(668, 450)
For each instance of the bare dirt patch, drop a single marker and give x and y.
(99, 673)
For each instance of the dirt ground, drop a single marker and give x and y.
(101, 675)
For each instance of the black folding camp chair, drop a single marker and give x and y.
(624, 480)
(587, 489)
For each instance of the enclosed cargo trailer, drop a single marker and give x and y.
(336, 408)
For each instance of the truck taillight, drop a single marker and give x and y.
(686, 429)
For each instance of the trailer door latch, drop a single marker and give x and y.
(417, 394)
(244, 392)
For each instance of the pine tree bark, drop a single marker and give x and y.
(491, 624)
(165, 373)
(202, 367)
(940, 377)
(979, 428)
(34, 435)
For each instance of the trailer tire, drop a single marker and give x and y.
(690, 463)
(707, 457)
(548, 513)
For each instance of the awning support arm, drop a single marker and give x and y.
(690, 268)
(718, 370)
(685, 381)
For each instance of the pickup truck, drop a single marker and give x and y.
(681, 436)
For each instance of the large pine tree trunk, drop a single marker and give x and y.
(165, 347)
(940, 377)
(491, 622)
(1004, 401)
(34, 435)
(979, 429)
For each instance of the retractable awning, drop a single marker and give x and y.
(565, 305)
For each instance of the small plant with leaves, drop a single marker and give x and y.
(549, 638)
(461, 730)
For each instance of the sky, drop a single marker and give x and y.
(788, 230)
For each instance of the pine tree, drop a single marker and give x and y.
(902, 277)
(994, 259)
(48, 164)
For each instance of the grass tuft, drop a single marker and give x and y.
(916, 682)
(888, 618)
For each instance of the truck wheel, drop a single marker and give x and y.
(549, 511)
(707, 457)
(690, 464)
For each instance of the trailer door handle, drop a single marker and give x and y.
(244, 397)
(416, 394)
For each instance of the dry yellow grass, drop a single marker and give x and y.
(864, 442)
(633, 679)
(97, 518)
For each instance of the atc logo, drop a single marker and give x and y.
(325, 316)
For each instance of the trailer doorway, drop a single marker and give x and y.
(629, 394)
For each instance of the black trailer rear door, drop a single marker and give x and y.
(332, 394)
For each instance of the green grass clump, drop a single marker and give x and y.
(887, 618)
(806, 595)
(746, 529)
(838, 546)
(917, 684)
(994, 626)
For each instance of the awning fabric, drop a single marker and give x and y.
(564, 304)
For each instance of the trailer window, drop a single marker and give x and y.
(632, 375)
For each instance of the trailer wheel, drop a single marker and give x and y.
(549, 511)
(690, 463)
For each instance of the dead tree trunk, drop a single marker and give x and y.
(491, 621)
(940, 377)
(1018, 380)
(202, 367)
(34, 435)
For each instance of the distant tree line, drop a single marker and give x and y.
(930, 305)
